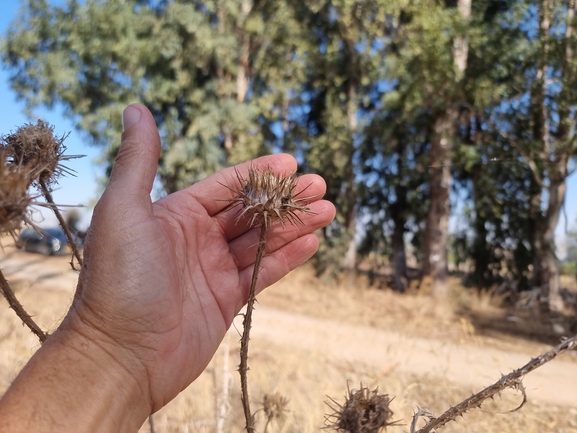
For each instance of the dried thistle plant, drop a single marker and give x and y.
(263, 198)
(364, 411)
(511, 380)
(274, 407)
(14, 202)
(14, 197)
(31, 156)
(38, 152)
(266, 197)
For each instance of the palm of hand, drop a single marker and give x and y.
(176, 261)
(188, 265)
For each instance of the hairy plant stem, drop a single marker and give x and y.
(511, 380)
(19, 309)
(266, 426)
(63, 225)
(247, 322)
(151, 424)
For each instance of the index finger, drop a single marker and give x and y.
(210, 192)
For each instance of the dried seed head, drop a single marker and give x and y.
(364, 411)
(38, 151)
(274, 406)
(266, 197)
(14, 198)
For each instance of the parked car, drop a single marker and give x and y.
(50, 242)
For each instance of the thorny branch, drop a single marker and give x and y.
(63, 225)
(247, 322)
(19, 309)
(511, 380)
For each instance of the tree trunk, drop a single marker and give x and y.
(546, 272)
(480, 248)
(350, 260)
(437, 224)
(461, 44)
(243, 73)
(399, 254)
(231, 140)
(547, 277)
(399, 217)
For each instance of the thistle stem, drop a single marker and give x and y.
(247, 322)
(19, 309)
(63, 225)
(511, 380)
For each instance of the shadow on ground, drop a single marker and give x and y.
(498, 322)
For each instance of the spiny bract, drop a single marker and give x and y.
(274, 406)
(364, 411)
(266, 197)
(14, 198)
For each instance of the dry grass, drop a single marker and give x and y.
(464, 316)
(307, 377)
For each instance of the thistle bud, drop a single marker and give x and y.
(266, 197)
(14, 198)
(38, 152)
(364, 411)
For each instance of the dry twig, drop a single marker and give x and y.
(511, 380)
(19, 309)
(221, 398)
(75, 250)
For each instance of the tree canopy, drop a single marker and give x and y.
(396, 104)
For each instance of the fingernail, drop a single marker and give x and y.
(130, 116)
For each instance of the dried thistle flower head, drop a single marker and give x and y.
(38, 151)
(364, 411)
(14, 198)
(274, 406)
(266, 197)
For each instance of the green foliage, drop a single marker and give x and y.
(210, 73)
(353, 89)
(568, 268)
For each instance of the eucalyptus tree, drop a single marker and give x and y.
(486, 163)
(342, 57)
(432, 43)
(209, 72)
(538, 119)
(394, 194)
(521, 114)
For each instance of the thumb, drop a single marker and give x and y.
(136, 163)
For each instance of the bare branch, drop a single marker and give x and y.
(512, 380)
(63, 225)
(19, 309)
(421, 412)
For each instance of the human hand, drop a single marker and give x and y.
(162, 282)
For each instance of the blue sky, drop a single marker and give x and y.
(85, 188)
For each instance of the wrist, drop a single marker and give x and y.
(78, 381)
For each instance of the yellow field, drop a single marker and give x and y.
(309, 372)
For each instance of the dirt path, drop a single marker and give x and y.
(474, 367)
(468, 365)
(55, 272)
